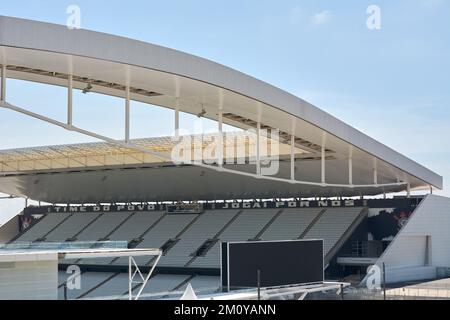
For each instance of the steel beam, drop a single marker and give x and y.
(350, 166)
(258, 142)
(293, 151)
(375, 172)
(162, 156)
(177, 118)
(147, 278)
(220, 132)
(323, 179)
(3, 89)
(127, 113)
(130, 279)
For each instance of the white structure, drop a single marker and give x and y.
(189, 293)
(28, 275)
(278, 292)
(422, 245)
(33, 274)
(320, 155)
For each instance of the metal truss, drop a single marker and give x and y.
(126, 143)
(137, 272)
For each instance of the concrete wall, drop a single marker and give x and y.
(422, 245)
(29, 280)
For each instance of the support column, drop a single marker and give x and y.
(258, 141)
(3, 90)
(375, 172)
(323, 180)
(130, 279)
(293, 150)
(127, 113)
(70, 100)
(292, 157)
(148, 277)
(258, 155)
(220, 132)
(408, 190)
(350, 166)
(177, 118)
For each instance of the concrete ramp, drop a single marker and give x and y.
(422, 245)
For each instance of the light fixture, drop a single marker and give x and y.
(202, 113)
(87, 89)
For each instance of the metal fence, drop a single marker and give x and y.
(423, 291)
(65, 245)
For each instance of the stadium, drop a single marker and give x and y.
(120, 209)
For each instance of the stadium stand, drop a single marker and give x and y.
(163, 283)
(101, 227)
(89, 280)
(290, 224)
(43, 227)
(134, 227)
(206, 227)
(102, 285)
(194, 241)
(182, 235)
(71, 226)
(205, 283)
(113, 288)
(331, 226)
(171, 226)
(245, 227)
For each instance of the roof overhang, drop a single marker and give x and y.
(47, 53)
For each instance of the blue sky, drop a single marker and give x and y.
(392, 83)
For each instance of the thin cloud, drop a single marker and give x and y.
(321, 18)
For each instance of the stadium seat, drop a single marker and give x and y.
(206, 227)
(43, 226)
(290, 224)
(331, 226)
(245, 227)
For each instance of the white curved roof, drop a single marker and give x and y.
(157, 75)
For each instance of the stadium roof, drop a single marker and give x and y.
(112, 65)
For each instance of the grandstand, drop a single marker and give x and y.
(207, 227)
(193, 256)
(325, 173)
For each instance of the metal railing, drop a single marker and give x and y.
(366, 249)
(64, 245)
